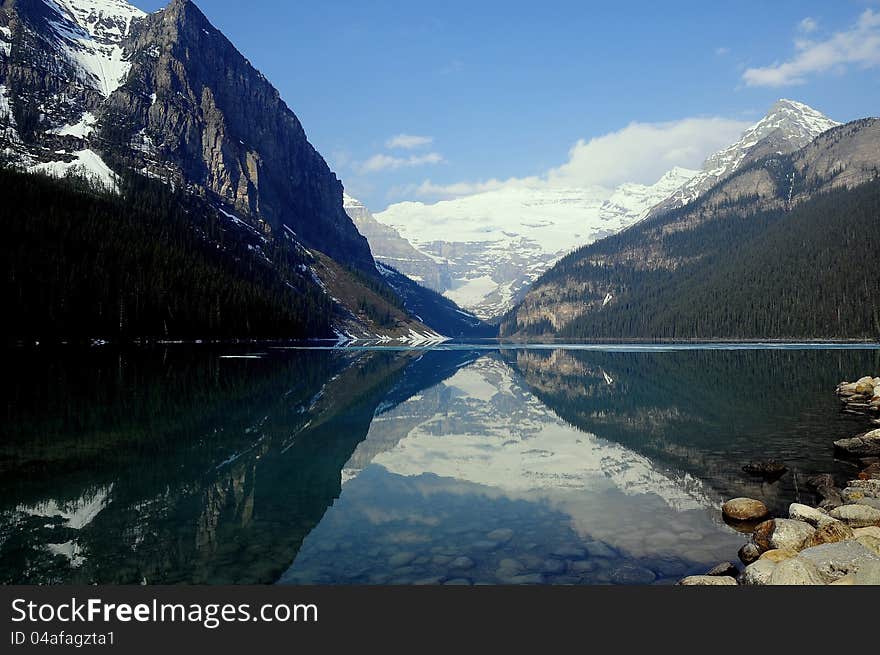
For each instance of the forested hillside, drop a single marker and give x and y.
(146, 263)
(804, 273)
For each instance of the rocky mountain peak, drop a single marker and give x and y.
(98, 85)
(352, 203)
(104, 20)
(88, 35)
(787, 120)
(788, 126)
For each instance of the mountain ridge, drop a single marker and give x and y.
(787, 126)
(627, 285)
(171, 96)
(97, 89)
(504, 239)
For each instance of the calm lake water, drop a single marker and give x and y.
(460, 465)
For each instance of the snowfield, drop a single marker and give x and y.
(505, 239)
(86, 164)
(89, 33)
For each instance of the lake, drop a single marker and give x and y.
(459, 464)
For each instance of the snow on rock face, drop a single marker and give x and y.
(498, 242)
(787, 127)
(86, 163)
(89, 33)
(5, 41)
(81, 129)
(8, 130)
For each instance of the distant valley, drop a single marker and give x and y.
(504, 240)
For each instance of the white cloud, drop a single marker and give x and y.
(808, 25)
(722, 51)
(408, 141)
(640, 152)
(428, 189)
(384, 162)
(858, 46)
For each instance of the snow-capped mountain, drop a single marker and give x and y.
(100, 89)
(788, 126)
(93, 85)
(505, 239)
(497, 243)
(395, 250)
(89, 34)
(77, 47)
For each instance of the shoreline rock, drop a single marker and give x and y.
(836, 543)
(744, 510)
(867, 444)
(861, 396)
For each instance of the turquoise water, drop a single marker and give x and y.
(460, 464)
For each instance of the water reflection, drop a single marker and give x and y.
(554, 466)
(478, 470)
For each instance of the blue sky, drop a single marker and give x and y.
(501, 90)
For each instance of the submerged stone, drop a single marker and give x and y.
(744, 509)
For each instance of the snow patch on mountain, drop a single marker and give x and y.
(5, 41)
(788, 126)
(89, 33)
(498, 242)
(8, 128)
(85, 163)
(81, 129)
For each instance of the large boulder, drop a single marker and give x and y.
(863, 445)
(868, 574)
(758, 573)
(857, 516)
(707, 580)
(808, 514)
(866, 487)
(795, 572)
(871, 531)
(744, 509)
(762, 534)
(788, 534)
(829, 532)
(778, 555)
(833, 561)
(871, 543)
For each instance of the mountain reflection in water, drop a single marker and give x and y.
(186, 465)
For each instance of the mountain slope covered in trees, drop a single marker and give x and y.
(152, 263)
(132, 102)
(776, 251)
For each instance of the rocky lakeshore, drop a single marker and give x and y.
(835, 543)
